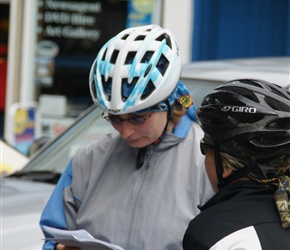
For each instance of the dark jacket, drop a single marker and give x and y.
(240, 216)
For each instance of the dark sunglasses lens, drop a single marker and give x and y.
(114, 119)
(136, 120)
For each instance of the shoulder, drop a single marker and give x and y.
(185, 125)
(239, 220)
(245, 238)
(194, 135)
(99, 148)
(100, 144)
(196, 130)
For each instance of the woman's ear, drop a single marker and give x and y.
(226, 171)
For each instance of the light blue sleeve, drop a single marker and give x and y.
(53, 213)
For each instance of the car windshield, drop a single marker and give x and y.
(55, 155)
(48, 163)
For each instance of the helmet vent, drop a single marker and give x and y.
(251, 83)
(162, 64)
(147, 56)
(140, 38)
(148, 90)
(104, 55)
(125, 37)
(130, 57)
(241, 91)
(127, 87)
(114, 56)
(275, 104)
(273, 90)
(167, 39)
(283, 123)
(107, 86)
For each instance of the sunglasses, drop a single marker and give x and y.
(204, 147)
(135, 120)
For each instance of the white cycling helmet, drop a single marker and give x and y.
(135, 70)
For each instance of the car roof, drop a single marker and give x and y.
(271, 69)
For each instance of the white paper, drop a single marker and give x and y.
(78, 238)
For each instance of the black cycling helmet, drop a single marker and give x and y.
(251, 115)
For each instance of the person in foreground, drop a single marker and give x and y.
(247, 158)
(131, 187)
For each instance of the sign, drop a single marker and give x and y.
(69, 35)
(139, 12)
(70, 19)
(80, 27)
(23, 126)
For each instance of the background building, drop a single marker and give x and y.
(52, 43)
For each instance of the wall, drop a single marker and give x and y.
(178, 17)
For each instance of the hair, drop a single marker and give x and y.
(281, 165)
(178, 112)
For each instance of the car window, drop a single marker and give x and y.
(55, 156)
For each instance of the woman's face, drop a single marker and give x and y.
(141, 135)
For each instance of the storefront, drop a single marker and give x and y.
(52, 44)
(4, 21)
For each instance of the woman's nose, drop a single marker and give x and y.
(126, 129)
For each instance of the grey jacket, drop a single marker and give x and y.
(138, 209)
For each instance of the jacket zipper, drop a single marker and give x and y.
(149, 152)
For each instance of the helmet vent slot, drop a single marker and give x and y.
(114, 56)
(283, 123)
(104, 55)
(130, 57)
(107, 86)
(166, 38)
(280, 106)
(125, 37)
(148, 90)
(140, 38)
(147, 56)
(279, 93)
(241, 91)
(251, 83)
(127, 87)
(162, 64)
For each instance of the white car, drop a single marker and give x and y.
(11, 159)
(203, 76)
(24, 193)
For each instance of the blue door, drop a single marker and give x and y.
(240, 28)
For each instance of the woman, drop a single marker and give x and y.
(247, 158)
(131, 188)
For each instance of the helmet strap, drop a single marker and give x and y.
(142, 151)
(169, 114)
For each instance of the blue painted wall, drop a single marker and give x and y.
(240, 28)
